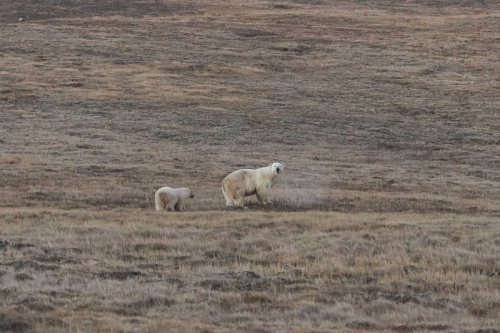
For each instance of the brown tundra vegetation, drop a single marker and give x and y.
(386, 114)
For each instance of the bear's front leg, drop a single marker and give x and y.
(179, 207)
(262, 197)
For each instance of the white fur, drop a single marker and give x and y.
(171, 199)
(245, 182)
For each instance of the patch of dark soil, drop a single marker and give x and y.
(411, 269)
(13, 323)
(73, 85)
(224, 256)
(131, 258)
(118, 275)
(216, 284)
(487, 330)
(24, 264)
(74, 250)
(36, 10)
(169, 280)
(152, 302)
(267, 225)
(264, 263)
(101, 171)
(356, 278)
(141, 306)
(21, 245)
(406, 298)
(293, 285)
(361, 325)
(152, 247)
(281, 6)
(7, 292)
(250, 33)
(153, 266)
(483, 310)
(237, 281)
(69, 294)
(400, 297)
(455, 3)
(256, 297)
(3, 244)
(245, 275)
(419, 328)
(23, 277)
(35, 305)
(57, 260)
(41, 195)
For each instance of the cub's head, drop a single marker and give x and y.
(186, 192)
(277, 168)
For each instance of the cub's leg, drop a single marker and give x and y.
(179, 206)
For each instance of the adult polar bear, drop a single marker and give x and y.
(172, 199)
(245, 182)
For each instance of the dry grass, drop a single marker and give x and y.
(385, 113)
(129, 269)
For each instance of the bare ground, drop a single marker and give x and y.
(385, 113)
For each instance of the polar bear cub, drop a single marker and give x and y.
(245, 182)
(172, 199)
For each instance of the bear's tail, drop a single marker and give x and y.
(229, 199)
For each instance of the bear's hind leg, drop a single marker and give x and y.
(159, 205)
(229, 200)
(238, 196)
(160, 201)
(171, 206)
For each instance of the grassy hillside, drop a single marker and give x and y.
(387, 217)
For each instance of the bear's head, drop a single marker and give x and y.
(191, 194)
(277, 168)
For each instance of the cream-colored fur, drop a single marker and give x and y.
(245, 182)
(172, 199)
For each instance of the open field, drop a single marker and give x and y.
(133, 270)
(387, 217)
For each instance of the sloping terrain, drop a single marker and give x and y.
(385, 114)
